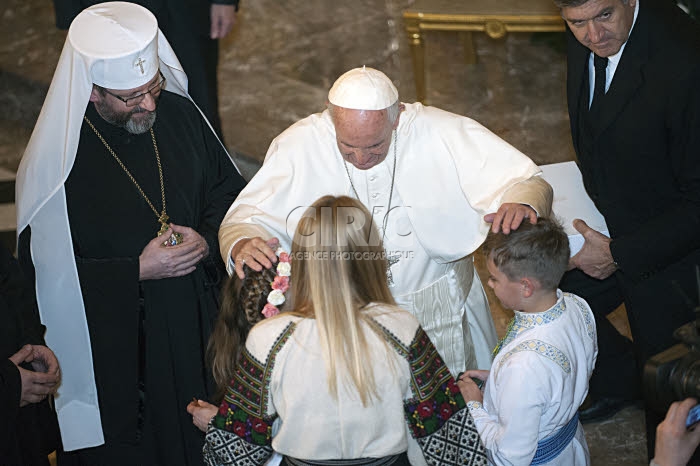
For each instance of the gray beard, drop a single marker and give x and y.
(140, 128)
(126, 122)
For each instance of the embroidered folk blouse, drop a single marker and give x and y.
(279, 399)
(538, 380)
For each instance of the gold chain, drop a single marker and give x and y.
(391, 189)
(162, 217)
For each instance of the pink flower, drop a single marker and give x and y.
(284, 257)
(281, 283)
(269, 310)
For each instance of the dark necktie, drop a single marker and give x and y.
(599, 64)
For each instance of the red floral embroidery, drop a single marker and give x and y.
(259, 425)
(425, 409)
(446, 411)
(239, 428)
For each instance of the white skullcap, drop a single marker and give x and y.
(363, 89)
(121, 40)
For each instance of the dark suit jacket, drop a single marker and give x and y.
(643, 168)
(644, 173)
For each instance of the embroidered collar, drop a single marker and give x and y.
(526, 320)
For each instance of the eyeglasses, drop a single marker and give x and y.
(137, 99)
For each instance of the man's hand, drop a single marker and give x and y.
(223, 17)
(470, 391)
(254, 252)
(35, 385)
(202, 412)
(158, 261)
(594, 258)
(509, 217)
(674, 443)
(44, 360)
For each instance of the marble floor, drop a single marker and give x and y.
(276, 68)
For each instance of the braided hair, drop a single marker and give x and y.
(241, 304)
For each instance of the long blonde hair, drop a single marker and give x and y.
(339, 267)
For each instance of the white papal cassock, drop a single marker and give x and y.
(450, 172)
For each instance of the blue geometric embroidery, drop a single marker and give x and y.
(543, 349)
(585, 313)
(523, 321)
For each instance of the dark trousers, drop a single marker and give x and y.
(656, 306)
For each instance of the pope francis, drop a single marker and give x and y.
(433, 181)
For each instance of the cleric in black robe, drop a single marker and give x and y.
(148, 337)
(149, 307)
(29, 433)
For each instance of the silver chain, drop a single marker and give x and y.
(391, 191)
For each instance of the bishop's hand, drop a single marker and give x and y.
(157, 261)
(255, 252)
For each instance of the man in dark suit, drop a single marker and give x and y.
(193, 28)
(633, 90)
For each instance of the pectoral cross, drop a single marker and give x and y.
(140, 64)
(391, 259)
(164, 225)
(174, 238)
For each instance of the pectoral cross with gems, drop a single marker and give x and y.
(391, 259)
(164, 225)
(175, 238)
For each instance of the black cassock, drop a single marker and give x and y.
(30, 433)
(149, 337)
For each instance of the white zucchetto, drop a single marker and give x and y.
(363, 89)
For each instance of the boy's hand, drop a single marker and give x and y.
(470, 391)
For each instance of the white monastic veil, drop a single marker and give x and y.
(41, 204)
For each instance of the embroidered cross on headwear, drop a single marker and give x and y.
(140, 64)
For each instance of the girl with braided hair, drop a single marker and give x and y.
(244, 303)
(344, 376)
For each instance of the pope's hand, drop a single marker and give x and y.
(509, 217)
(157, 261)
(256, 253)
(594, 258)
(202, 412)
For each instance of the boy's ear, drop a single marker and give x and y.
(529, 286)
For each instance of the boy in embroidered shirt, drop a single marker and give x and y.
(527, 412)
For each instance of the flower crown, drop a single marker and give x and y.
(279, 286)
